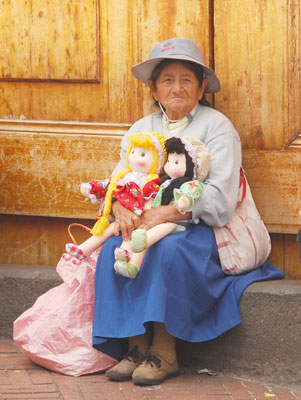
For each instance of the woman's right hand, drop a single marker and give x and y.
(125, 221)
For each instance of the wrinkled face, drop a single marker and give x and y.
(175, 166)
(177, 89)
(140, 159)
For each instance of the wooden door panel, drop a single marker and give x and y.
(28, 240)
(257, 57)
(42, 40)
(75, 68)
(41, 168)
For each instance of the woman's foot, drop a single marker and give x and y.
(126, 269)
(121, 254)
(75, 251)
(124, 370)
(138, 240)
(154, 370)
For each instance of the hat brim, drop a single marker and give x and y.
(143, 71)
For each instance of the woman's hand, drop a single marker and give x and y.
(125, 221)
(160, 215)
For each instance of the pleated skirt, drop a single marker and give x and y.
(181, 284)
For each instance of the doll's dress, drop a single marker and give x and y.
(131, 191)
(158, 199)
(192, 189)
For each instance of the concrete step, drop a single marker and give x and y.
(20, 286)
(265, 346)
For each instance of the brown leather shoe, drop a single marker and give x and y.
(154, 370)
(124, 370)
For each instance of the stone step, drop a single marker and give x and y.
(266, 345)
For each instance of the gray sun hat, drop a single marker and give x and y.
(176, 49)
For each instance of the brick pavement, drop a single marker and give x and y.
(20, 379)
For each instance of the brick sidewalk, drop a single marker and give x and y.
(21, 379)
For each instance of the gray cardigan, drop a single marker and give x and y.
(219, 197)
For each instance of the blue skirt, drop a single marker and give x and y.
(181, 284)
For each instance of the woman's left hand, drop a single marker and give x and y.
(160, 215)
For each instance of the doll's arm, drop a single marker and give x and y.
(184, 203)
(185, 197)
(94, 190)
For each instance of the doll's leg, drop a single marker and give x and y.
(85, 249)
(141, 239)
(123, 253)
(130, 268)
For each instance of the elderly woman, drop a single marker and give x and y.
(181, 290)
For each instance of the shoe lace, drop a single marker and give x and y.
(152, 359)
(134, 354)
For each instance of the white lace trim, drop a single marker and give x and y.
(138, 177)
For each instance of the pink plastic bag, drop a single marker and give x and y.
(244, 243)
(56, 332)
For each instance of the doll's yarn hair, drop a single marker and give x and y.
(150, 140)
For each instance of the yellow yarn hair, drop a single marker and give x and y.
(136, 140)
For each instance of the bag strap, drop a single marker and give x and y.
(242, 186)
(77, 224)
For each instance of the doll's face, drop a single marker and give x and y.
(175, 166)
(140, 159)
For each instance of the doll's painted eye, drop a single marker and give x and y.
(142, 154)
(177, 162)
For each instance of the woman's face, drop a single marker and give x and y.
(177, 89)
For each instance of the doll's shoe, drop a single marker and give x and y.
(138, 241)
(121, 254)
(126, 269)
(75, 251)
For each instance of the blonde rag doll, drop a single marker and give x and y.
(133, 187)
(187, 165)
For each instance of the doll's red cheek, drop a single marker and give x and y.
(178, 172)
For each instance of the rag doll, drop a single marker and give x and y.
(187, 166)
(134, 187)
